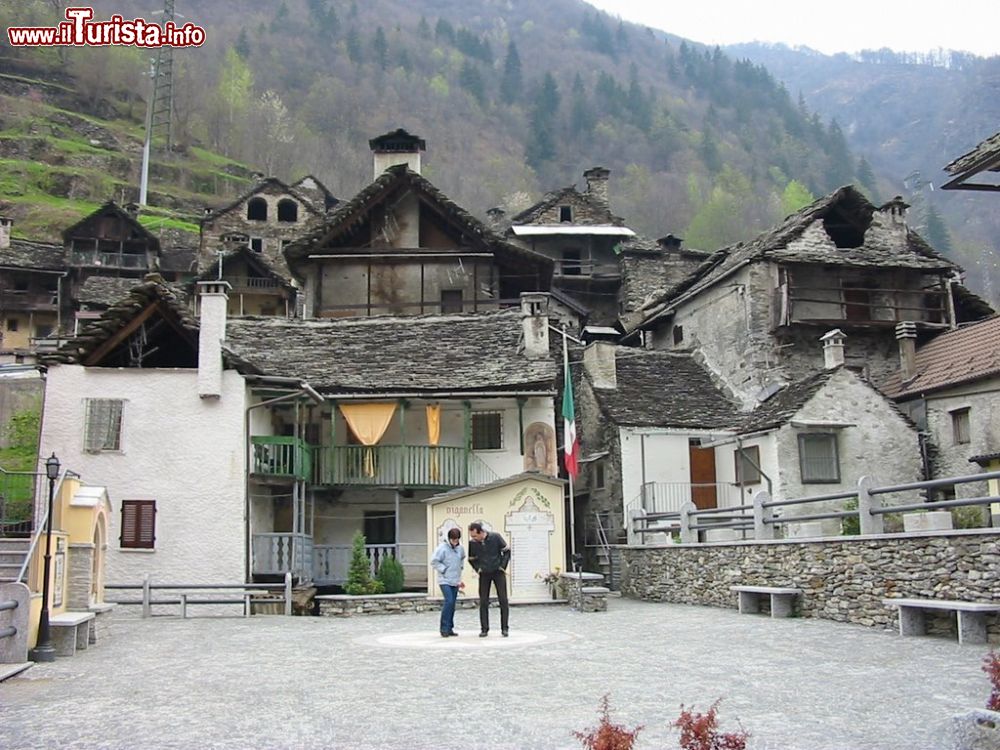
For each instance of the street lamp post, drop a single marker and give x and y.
(44, 650)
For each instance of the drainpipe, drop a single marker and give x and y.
(739, 464)
(305, 390)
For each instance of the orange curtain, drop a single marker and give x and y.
(368, 422)
(434, 437)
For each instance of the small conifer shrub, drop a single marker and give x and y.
(391, 575)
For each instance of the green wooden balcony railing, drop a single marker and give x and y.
(442, 466)
(278, 456)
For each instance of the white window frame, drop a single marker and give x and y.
(92, 421)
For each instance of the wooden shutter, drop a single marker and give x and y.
(138, 524)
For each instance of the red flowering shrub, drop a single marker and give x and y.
(991, 665)
(608, 736)
(700, 731)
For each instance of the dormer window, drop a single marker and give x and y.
(565, 214)
(288, 211)
(257, 209)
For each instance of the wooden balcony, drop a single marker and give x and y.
(412, 466)
(281, 457)
(409, 466)
(850, 305)
(279, 553)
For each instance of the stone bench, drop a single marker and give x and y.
(971, 616)
(70, 631)
(782, 599)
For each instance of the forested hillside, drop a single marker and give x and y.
(514, 98)
(909, 115)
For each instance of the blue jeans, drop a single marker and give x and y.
(448, 608)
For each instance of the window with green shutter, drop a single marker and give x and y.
(138, 524)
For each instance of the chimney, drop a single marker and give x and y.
(494, 217)
(599, 362)
(896, 209)
(6, 224)
(670, 243)
(833, 349)
(597, 186)
(132, 209)
(535, 324)
(906, 335)
(212, 332)
(397, 147)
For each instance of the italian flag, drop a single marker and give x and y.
(571, 444)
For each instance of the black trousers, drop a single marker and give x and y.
(499, 580)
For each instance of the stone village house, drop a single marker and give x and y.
(422, 365)
(694, 443)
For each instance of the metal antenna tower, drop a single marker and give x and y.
(163, 84)
(160, 106)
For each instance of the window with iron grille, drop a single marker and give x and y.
(960, 426)
(138, 524)
(747, 460)
(487, 430)
(818, 458)
(103, 426)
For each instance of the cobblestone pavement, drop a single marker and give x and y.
(392, 682)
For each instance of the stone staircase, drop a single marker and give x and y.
(13, 551)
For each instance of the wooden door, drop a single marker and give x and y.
(703, 477)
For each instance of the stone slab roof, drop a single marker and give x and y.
(964, 355)
(587, 211)
(394, 354)
(105, 291)
(28, 254)
(349, 213)
(786, 403)
(268, 183)
(140, 295)
(984, 157)
(801, 238)
(662, 389)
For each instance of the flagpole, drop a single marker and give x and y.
(572, 499)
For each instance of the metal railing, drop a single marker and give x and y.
(185, 591)
(765, 514)
(17, 501)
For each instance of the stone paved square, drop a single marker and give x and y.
(392, 682)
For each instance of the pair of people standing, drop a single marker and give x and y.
(489, 555)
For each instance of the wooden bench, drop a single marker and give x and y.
(782, 599)
(70, 631)
(971, 616)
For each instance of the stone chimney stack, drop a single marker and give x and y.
(132, 209)
(494, 217)
(397, 147)
(599, 362)
(597, 185)
(670, 243)
(535, 324)
(833, 349)
(896, 210)
(906, 335)
(212, 332)
(6, 225)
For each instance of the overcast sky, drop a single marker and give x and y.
(841, 26)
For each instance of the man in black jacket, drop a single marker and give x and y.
(489, 556)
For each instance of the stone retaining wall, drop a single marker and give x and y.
(843, 578)
(344, 605)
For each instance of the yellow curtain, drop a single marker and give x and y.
(433, 437)
(368, 422)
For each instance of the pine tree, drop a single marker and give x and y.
(582, 117)
(542, 146)
(511, 83)
(937, 232)
(353, 42)
(470, 80)
(381, 48)
(866, 177)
